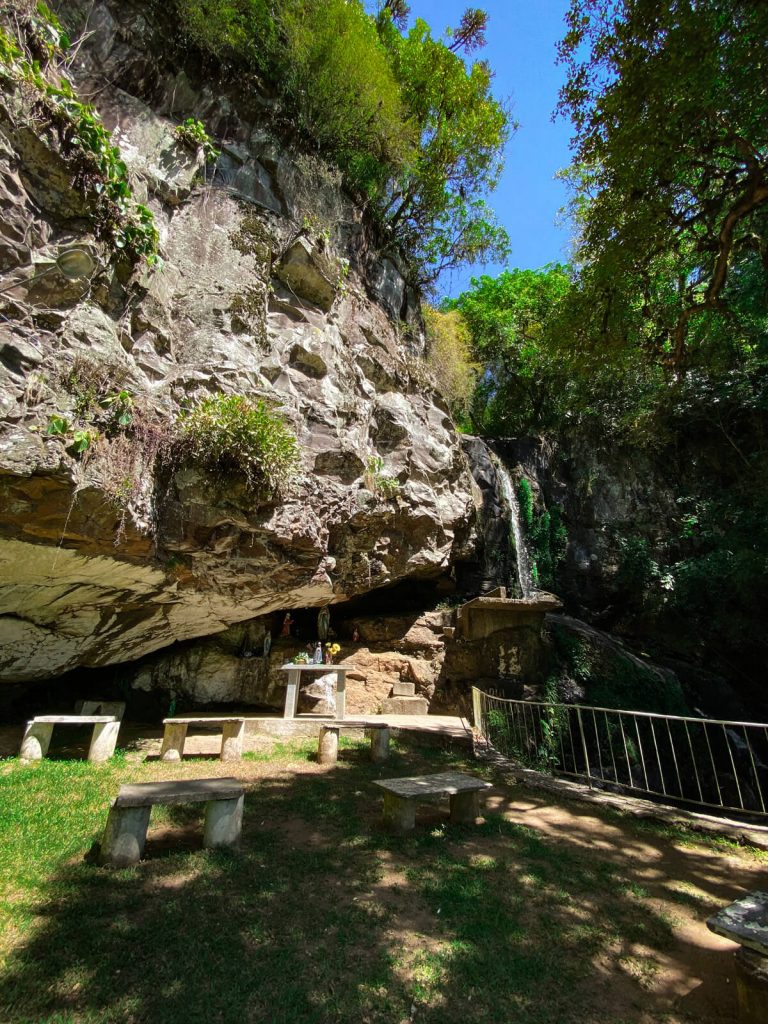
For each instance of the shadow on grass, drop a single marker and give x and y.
(321, 917)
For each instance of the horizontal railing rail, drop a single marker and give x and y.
(707, 762)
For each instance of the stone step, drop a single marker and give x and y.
(405, 706)
(402, 689)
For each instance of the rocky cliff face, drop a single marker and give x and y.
(604, 498)
(268, 288)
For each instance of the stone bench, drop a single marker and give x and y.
(328, 745)
(126, 832)
(37, 735)
(232, 727)
(402, 795)
(746, 922)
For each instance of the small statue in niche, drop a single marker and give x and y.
(355, 635)
(323, 622)
(267, 644)
(285, 629)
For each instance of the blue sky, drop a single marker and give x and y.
(522, 36)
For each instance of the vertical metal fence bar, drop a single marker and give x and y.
(477, 713)
(520, 732)
(674, 758)
(562, 748)
(693, 761)
(714, 766)
(658, 758)
(573, 749)
(640, 748)
(584, 745)
(733, 766)
(754, 770)
(597, 742)
(527, 733)
(626, 751)
(610, 746)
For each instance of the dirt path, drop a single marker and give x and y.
(694, 979)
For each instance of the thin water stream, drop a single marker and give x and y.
(522, 555)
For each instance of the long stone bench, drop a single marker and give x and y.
(37, 735)
(746, 922)
(126, 832)
(402, 795)
(232, 727)
(328, 744)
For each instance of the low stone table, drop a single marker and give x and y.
(402, 795)
(175, 735)
(746, 922)
(126, 832)
(328, 744)
(37, 735)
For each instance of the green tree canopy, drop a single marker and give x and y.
(670, 113)
(413, 125)
(510, 319)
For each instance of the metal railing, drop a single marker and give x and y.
(699, 761)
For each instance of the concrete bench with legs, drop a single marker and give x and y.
(37, 735)
(126, 833)
(746, 922)
(328, 745)
(232, 727)
(402, 795)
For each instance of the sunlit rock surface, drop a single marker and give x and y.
(88, 581)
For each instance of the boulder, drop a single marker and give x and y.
(309, 273)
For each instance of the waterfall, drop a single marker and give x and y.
(522, 556)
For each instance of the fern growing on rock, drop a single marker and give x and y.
(236, 436)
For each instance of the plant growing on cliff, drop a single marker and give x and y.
(379, 482)
(236, 436)
(97, 167)
(546, 533)
(192, 133)
(525, 500)
(449, 358)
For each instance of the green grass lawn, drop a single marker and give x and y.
(319, 916)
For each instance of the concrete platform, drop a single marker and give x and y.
(146, 737)
(428, 726)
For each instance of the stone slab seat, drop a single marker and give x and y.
(37, 735)
(328, 743)
(402, 795)
(175, 734)
(125, 834)
(746, 922)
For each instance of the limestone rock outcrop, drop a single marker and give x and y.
(104, 558)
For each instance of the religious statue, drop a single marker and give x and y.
(323, 622)
(285, 629)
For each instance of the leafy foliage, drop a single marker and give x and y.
(671, 165)
(231, 435)
(546, 534)
(450, 361)
(378, 481)
(193, 134)
(436, 205)
(415, 129)
(99, 170)
(511, 319)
